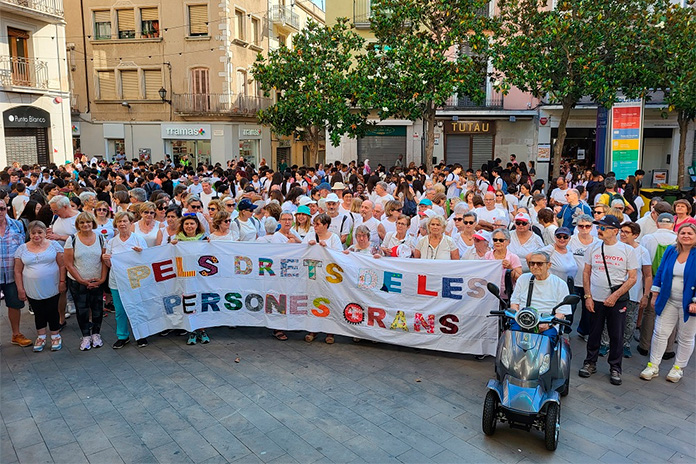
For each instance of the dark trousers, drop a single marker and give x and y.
(46, 313)
(585, 324)
(88, 302)
(615, 318)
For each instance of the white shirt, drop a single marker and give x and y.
(533, 243)
(562, 264)
(579, 250)
(659, 237)
(332, 243)
(493, 216)
(206, 197)
(64, 226)
(620, 259)
(41, 275)
(371, 224)
(558, 195)
(87, 259)
(442, 251)
(278, 237)
(635, 293)
(18, 204)
(195, 189)
(341, 224)
(453, 190)
(247, 230)
(546, 293)
(647, 226)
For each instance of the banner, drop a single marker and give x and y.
(626, 137)
(437, 305)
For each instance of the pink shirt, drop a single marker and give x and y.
(514, 263)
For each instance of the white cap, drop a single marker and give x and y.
(305, 200)
(332, 197)
(338, 186)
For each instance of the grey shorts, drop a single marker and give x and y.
(11, 297)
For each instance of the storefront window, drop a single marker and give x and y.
(203, 151)
(196, 151)
(249, 149)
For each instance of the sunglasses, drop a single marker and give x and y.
(562, 236)
(161, 208)
(603, 228)
(585, 226)
(102, 209)
(537, 263)
(227, 221)
(458, 219)
(499, 196)
(499, 240)
(148, 212)
(521, 223)
(189, 214)
(195, 207)
(469, 223)
(597, 212)
(230, 205)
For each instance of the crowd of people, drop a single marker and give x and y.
(61, 225)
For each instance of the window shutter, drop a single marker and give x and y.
(103, 16)
(129, 85)
(126, 20)
(153, 82)
(148, 14)
(107, 85)
(198, 17)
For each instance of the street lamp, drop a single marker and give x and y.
(163, 95)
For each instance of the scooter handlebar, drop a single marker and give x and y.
(497, 313)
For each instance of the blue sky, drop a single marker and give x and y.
(320, 3)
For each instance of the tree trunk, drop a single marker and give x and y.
(560, 141)
(313, 145)
(683, 126)
(429, 137)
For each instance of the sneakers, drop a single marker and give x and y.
(120, 343)
(615, 377)
(587, 370)
(97, 341)
(141, 342)
(20, 340)
(56, 342)
(86, 343)
(191, 339)
(650, 372)
(627, 352)
(39, 344)
(204, 337)
(67, 315)
(603, 350)
(70, 308)
(675, 374)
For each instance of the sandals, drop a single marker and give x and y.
(309, 338)
(329, 339)
(280, 335)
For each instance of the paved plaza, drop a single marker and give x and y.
(247, 397)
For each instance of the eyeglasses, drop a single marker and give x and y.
(562, 236)
(499, 240)
(521, 223)
(106, 210)
(230, 205)
(537, 263)
(212, 208)
(584, 226)
(597, 212)
(458, 219)
(148, 212)
(499, 196)
(401, 224)
(469, 223)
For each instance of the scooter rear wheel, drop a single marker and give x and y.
(552, 426)
(490, 413)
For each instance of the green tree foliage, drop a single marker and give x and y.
(426, 51)
(317, 80)
(675, 56)
(581, 48)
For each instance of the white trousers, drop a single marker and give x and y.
(673, 316)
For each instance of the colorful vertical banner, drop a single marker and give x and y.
(601, 138)
(626, 137)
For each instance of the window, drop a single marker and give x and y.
(126, 24)
(130, 90)
(282, 40)
(239, 24)
(153, 82)
(19, 54)
(200, 87)
(255, 31)
(242, 83)
(198, 20)
(102, 25)
(107, 85)
(149, 23)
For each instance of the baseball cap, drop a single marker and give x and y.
(246, 204)
(663, 207)
(428, 213)
(609, 220)
(522, 217)
(482, 235)
(324, 186)
(305, 200)
(563, 231)
(303, 209)
(195, 178)
(332, 197)
(425, 201)
(338, 186)
(665, 218)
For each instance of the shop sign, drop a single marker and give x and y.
(469, 127)
(247, 132)
(626, 137)
(186, 131)
(544, 152)
(386, 131)
(76, 128)
(26, 116)
(543, 120)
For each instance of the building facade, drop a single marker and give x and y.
(34, 90)
(156, 78)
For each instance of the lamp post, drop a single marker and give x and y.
(163, 95)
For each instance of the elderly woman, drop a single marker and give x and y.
(392, 211)
(39, 273)
(86, 274)
(436, 245)
(501, 240)
(362, 242)
(563, 263)
(328, 239)
(578, 246)
(482, 245)
(171, 227)
(393, 240)
(89, 201)
(124, 241)
(463, 236)
(223, 228)
(286, 233)
(147, 227)
(522, 240)
(673, 294)
(682, 209)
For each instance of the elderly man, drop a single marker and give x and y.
(62, 227)
(368, 220)
(574, 208)
(378, 211)
(648, 224)
(207, 193)
(490, 217)
(341, 224)
(381, 193)
(558, 194)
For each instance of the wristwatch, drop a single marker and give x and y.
(588, 296)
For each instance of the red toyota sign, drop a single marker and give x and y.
(543, 121)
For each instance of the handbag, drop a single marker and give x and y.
(623, 298)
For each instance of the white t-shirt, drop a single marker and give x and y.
(41, 275)
(333, 242)
(620, 259)
(195, 189)
(659, 237)
(647, 226)
(341, 224)
(558, 195)
(452, 190)
(247, 230)
(371, 224)
(64, 226)
(116, 246)
(636, 292)
(579, 250)
(472, 255)
(461, 244)
(562, 264)
(546, 293)
(87, 259)
(206, 197)
(390, 240)
(495, 215)
(18, 204)
(278, 237)
(533, 243)
(442, 251)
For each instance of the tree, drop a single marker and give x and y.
(315, 81)
(580, 48)
(676, 58)
(426, 51)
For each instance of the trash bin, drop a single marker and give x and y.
(648, 194)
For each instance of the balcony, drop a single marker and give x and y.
(284, 16)
(74, 104)
(192, 104)
(23, 73)
(362, 12)
(494, 101)
(44, 10)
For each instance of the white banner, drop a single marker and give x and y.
(438, 305)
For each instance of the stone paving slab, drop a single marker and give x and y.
(287, 402)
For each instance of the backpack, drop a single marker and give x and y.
(657, 259)
(151, 187)
(410, 207)
(615, 196)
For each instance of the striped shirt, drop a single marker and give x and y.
(12, 239)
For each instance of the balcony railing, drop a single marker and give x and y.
(493, 101)
(23, 72)
(362, 12)
(49, 7)
(74, 105)
(219, 104)
(285, 16)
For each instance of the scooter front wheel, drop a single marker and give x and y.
(490, 413)
(552, 426)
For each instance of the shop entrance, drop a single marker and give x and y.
(196, 151)
(578, 148)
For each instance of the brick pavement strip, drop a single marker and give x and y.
(295, 402)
